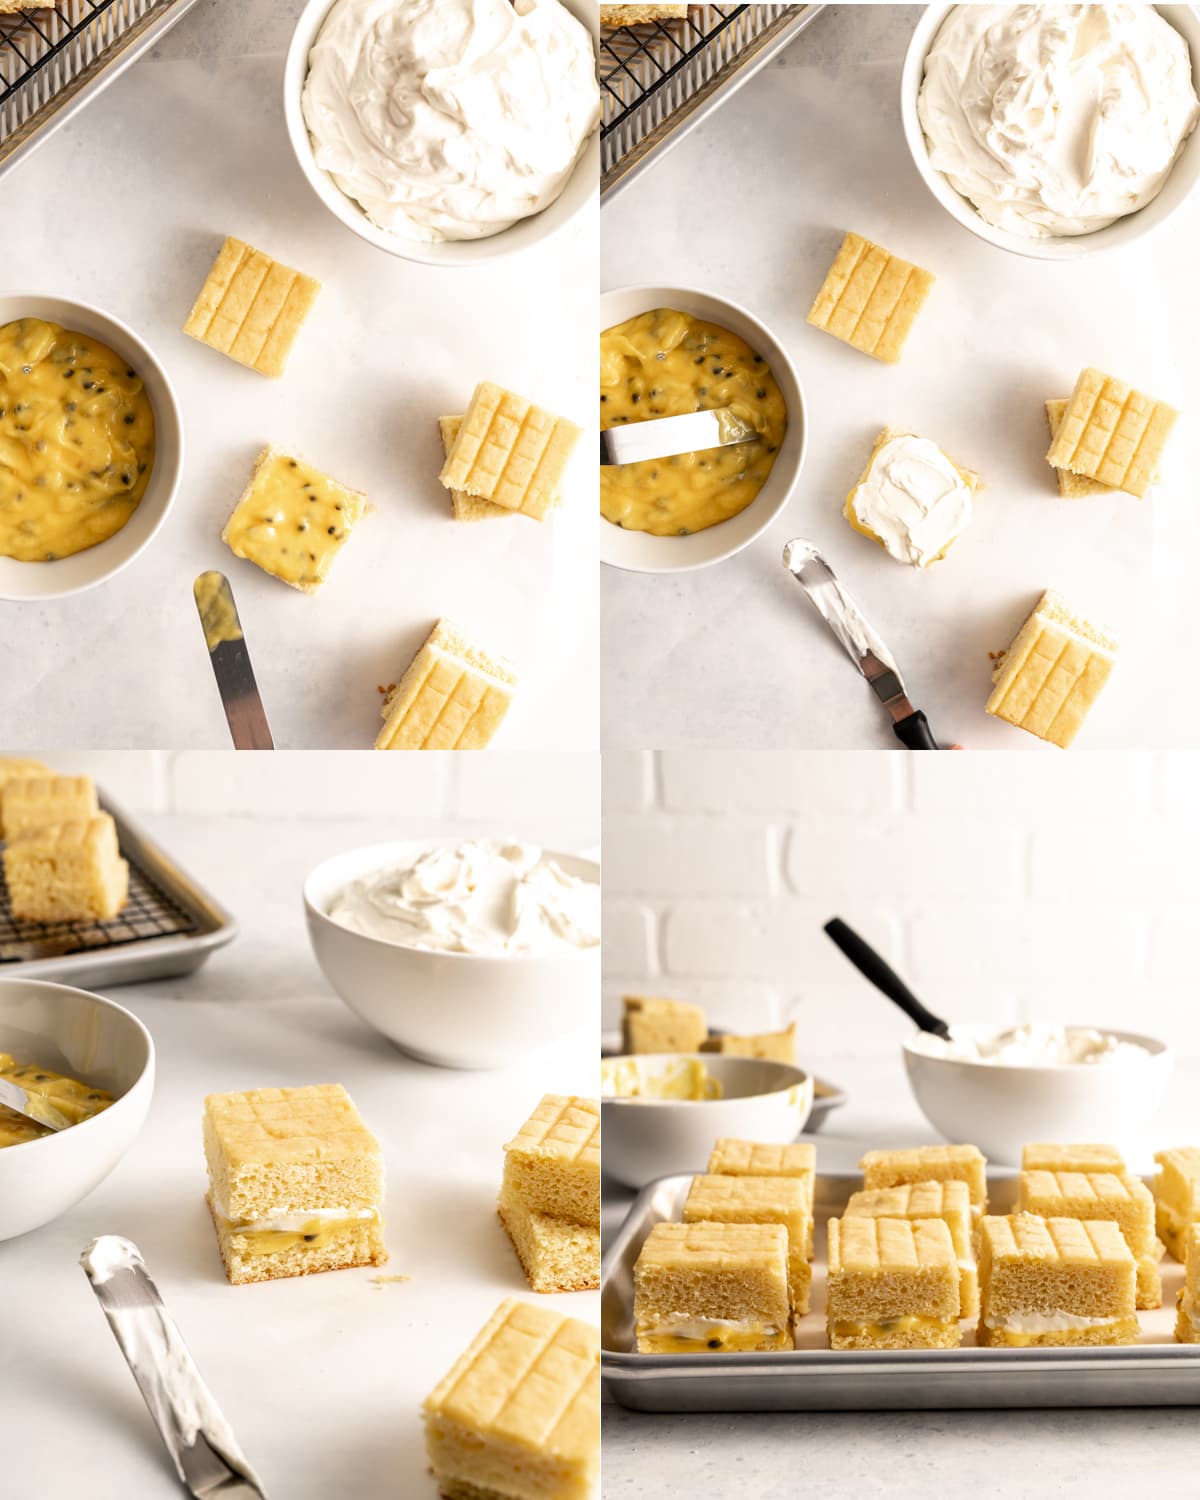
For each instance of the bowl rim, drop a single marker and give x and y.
(317, 912)
(803, 1077)
(146, 1071)
(171, 482)
(1156, 1050)
(963, 211)
(655, 291)
(353, 217)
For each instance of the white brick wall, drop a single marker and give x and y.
(1003, 888)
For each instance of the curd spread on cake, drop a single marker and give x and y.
(481, 896)
(450, 119)
(912, 500)
(76, 441)
(665, 363)
(58, 1101)
(1057, 119)
(311, 1228)
(687, 1335)
(1031, 1324)
(1035, 1046)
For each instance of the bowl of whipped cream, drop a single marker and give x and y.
(447, 131)
(1002, 1089)
(467, 953)
(1054, 131)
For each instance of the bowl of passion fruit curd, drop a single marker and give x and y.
(91, 446)
(667, 350)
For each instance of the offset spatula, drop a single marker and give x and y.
(201, 1443)
(864, 648)
(231, 663)
(41, 1111)
(663, 437)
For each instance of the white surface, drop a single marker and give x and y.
(811, 147)
(1040, 888)
(320, 1377)
(182, 149)
(994, 1455)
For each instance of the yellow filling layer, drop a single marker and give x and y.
(76, 441)
(744, 1339)
(888, 1326)
(292, 520)
(313, 1234)
(59, 1100)
(667, 364)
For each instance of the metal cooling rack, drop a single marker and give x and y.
(55, 58)
(660, 79)
(168, 926)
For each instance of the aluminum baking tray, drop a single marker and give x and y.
(1155, 1371)
(169, 925)
(661, 79)
(54, 59)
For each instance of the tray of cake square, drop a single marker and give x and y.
(703, 1279)
(87, 896)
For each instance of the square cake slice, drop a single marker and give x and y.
(1187, 1318)
(466, 507)
(1054, 1281)
(553, 1161)
(35, 801)
(1042, 1156)
(713, 1199)
(870, 299)
(557, 1255)
(1050, 677)
(1112, 433)
(653, 1024)
(251, 308)
(518, 1415)
(948, 1201)
(927, 498)
(1177, 1196)
(893, 1284)
(773, 1046)
(295, 1182)
(1125, 1201)
(292, 521)
(798, 1159)
(69, 872)
(1076, 486)
(883, 1169)
(712, 1288)
(510, 452)
(453, 696)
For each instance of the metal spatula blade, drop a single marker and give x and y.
(40, 1111)
(230, 659)
(664, 437)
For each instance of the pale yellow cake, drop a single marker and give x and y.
(948, 1201)
(653, 1024)
(510, 452)
(1187, 1317)
(251, 307)
(1112, 433)
(37, 801)
(557, 1255)
(70, 872)
(882, 1169)
(773, 1046)
(1177, 1196)
(552, 1164)
(453, 695)
(870, 299)
(1043, 1156)
(1125, 1201)
(760, 1200)
(893, 1284)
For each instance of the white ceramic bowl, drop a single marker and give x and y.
(575, 198)
(458, 1010)
(1183, 178)
(1000, 1108)
(84, 570)
(84, 1036)
(649, 1138)
(638, 551)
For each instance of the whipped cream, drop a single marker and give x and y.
(1036, 1322)
(1057, 119)
(1035, 1046)
(294, 1223)
(450, 119)
(913, 499)
(486, 896)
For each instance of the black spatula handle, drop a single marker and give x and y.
(914, 732)
(883, 976)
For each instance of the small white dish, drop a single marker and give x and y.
(87, 1037)
(1000, 1107)
(95, 565)
(638, 551)
(456, 1010)
(1183, 177)
(575, 199)
(649, 1138)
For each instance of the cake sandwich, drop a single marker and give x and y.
(295, 1182)
(798, 1159)
(1177, 1196)
(517, 1417)
(712, 1288)
(893, 1284)
(884, 1169)
(714, 1199)
(948, 1201)
(1122, 1200)
(550, 1195)
(1187, 1318)
(1055, 1282)
(66, 872)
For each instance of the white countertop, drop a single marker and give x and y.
(751, 206)
(321, 1377)
(126, 207)
(907, 1455)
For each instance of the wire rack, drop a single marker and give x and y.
(658, 78)
(149, 913)
(50, 56)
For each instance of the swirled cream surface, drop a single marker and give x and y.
(481, 896)
(1035, 1046)
(913, 500)
(1057, 119)
(450, 119)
